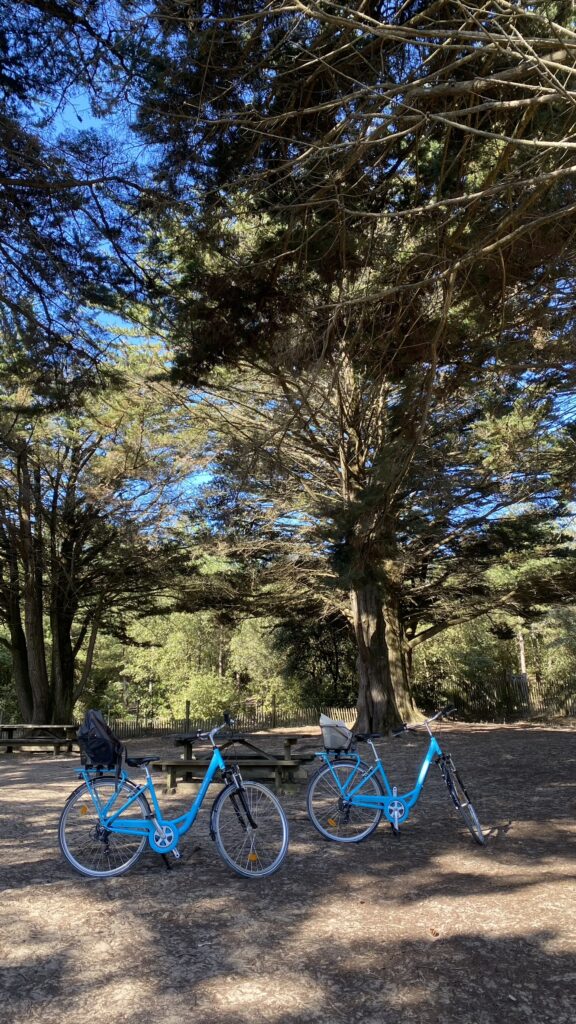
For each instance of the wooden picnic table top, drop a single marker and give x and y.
(259, 752)
(35, 726)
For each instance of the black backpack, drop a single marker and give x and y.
(99, 746)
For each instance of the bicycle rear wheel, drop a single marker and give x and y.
(461, 800)
(328, 810)
(253, 852)
(92, 849)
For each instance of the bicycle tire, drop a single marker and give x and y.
(461, 801)
(90, 849)
(252, 853)
(325, 809)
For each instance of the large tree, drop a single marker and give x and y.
(457, 537)
(376, 217)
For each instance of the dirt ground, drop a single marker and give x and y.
(425, 927)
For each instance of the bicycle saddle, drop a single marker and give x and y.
(137, 762)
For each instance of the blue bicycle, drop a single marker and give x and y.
(347, 797)
(108, 821)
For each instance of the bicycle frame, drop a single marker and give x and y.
(167, 830)
(396, 806)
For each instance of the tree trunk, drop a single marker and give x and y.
(31, 550)
(20, 672)
(39, 684)
(94, 629)
(398, 659)
(62, 665)
(18, 649)
(377, 709)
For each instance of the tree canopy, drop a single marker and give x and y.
(375, 238)
(354, 224)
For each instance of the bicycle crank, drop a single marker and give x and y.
(164, 839)
(396, 810)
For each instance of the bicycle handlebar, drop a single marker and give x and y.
(208, 735)
(443, 713)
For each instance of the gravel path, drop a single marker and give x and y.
(424, 927)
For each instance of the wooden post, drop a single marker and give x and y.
(522, 661)
(273, 710)
(187, 716)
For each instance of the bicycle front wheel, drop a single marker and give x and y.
(89, 847)
(250, 830)
(461, 801)
(329, 811)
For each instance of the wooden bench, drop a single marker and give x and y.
(282, 774)
(37, 741)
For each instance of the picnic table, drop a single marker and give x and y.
(285, 772)
(26, 734)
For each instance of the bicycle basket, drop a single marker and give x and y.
(336, 735)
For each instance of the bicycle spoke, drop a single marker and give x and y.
(86, 844)
(251, 851)
(332, 810)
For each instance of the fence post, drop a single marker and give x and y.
(273, 710)
(187, 729)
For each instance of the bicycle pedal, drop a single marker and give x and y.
(176, 853)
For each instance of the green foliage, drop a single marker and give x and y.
(320, 660)
(65, 192)
(364, 246)
(466, 665)
(256, 664)
(551, 655)
(9, 711)
(87, 512)
(175, 658)
(470, 664)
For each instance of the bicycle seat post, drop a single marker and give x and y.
(374, 751)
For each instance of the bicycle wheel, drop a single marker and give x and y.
(461, 800)
(250, 852)
(328, 810)
(90, 848)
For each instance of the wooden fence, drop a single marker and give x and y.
(513, 698)
(245, 721)
(503, 700)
